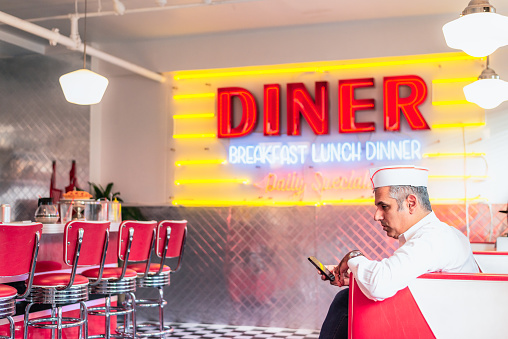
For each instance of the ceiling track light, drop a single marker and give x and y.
(479, 31)
(83, 87)
(488, 91)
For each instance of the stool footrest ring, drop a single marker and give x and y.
(66, 322)
(156, 332)
(114, 310)
(113, 335)
(150, 303)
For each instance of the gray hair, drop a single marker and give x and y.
(400, 193)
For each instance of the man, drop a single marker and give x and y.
(425, 245)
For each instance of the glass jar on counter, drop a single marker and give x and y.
(86, 209)
(46, 212)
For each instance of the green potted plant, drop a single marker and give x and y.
(128, 212)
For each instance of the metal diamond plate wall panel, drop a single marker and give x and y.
(266, 254)
(248, 265)
(38, 126)
(198, 292)
(485, 221)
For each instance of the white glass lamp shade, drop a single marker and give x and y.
(487, 93)
(477, 34)
(83, 87)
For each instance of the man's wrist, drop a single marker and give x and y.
(354, 254)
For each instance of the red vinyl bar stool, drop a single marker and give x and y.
(85, 244)
(132, 245)
(19, 246)
(171, 236)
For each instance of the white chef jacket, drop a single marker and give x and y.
(428, 246)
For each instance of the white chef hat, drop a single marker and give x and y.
(399, 175)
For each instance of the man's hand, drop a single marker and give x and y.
(330, 268)
(342, 270)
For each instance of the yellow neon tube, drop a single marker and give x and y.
(324, 66)
(445, 155)
(201, 162)
(458, 176)
(449, 81)
(194, 96)
(348, 201)
(193, 136)
(269, 203)
(240, 203)
(451, 102)
(297, 203)
(467, 124)
(478, 198)
(211, 181)
(247, 73)
(193, 116)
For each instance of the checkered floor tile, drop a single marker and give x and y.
(198, 331)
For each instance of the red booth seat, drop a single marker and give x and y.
(436, 305)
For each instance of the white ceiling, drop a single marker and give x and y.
(145, 19)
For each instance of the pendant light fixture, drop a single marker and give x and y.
(488, 91)
(83, 87)
(479, 31)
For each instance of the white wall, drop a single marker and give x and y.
(132, 122)
(128, 139)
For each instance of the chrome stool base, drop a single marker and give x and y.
(154, 280)
(126, 285)
(109, 311)
(7, 310)
(7, 307)
(57, 323)
(11, 328)
(157, 329)
(56, 296)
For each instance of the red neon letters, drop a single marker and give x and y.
(408, 105)
(348, 106)
(272, 110)
(316, 111)
(300, 102)
(225, 112)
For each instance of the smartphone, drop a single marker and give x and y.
(322, 268)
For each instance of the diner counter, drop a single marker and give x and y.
(59, 228)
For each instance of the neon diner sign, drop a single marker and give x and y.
(305, 134)
(316, 111)
(291, 154)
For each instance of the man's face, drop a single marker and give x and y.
(394, 222)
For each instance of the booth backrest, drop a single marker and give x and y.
(492, 261)
(436, 305)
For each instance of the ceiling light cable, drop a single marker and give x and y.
(83, 87)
